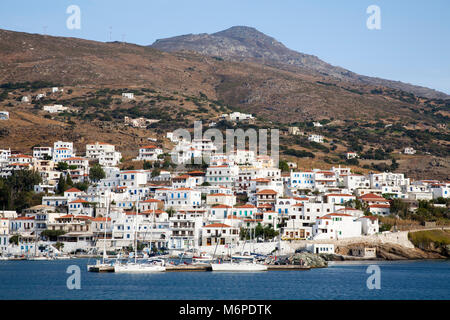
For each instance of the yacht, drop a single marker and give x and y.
(139, 267)
(238, 266)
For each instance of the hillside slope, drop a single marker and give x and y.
(242, 43)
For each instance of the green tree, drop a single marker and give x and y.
(283, 165)
(62, 166)
(17, 191)
(14, 239)
(62, 186)
(147, 165)
(96, 173)
(155, 172)
(69, 182)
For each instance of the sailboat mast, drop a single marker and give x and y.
(135, 231)
(108, 207)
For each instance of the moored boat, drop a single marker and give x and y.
(238, 267)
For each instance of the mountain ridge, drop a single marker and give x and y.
(248, 44)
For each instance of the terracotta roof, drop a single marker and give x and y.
(246, 206)
(79, 201)
(340, 214)
(379, 206)
(73, 190)
(219, 195)
(372, 196)
(217, 225)
(20, 156)
(184, 176)
(267, 191)
(101, 219)
(151, 200)
(157, 212)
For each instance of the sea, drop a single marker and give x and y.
(397, 280)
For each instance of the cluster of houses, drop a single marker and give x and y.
(184, 210)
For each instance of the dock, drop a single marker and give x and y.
(273, 267)
(102, 269)
(189, 267)
(206, 267)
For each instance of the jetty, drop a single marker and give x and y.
(207, 267)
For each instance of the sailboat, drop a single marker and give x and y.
(139, 267)
(238, 264)
(102, 265)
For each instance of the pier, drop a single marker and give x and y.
(207, 267)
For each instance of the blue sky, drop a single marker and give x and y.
(412, 46)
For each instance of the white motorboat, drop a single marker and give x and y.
(202, 257)
(238, 267)
(62, 257)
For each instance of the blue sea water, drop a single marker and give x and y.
(399, 280)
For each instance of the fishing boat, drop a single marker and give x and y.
(202, 257)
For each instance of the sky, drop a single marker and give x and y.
(412, 45)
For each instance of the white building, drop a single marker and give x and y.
(55, 108)
(183, 198)
(41, 152)
(128, 95)
(335, 226)
(409, 150)
(105, 153)
(315, 138)
(62, 150)
(149, 153)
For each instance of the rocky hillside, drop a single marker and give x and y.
(242, 43)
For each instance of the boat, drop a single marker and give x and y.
(202, 257)
(238, 266)
(138, 267)
(39, 258)
(154, 265)
(102, 265)
(62, 257)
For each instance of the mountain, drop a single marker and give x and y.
(242, 43)
(180, 87)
